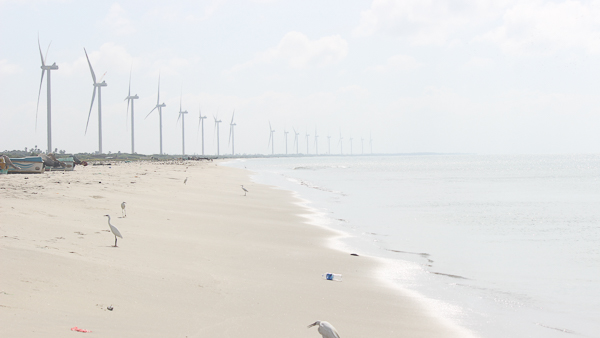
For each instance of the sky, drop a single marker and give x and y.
(446, 76)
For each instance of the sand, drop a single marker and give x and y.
(196, 260)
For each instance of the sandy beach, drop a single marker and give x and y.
(198, 259)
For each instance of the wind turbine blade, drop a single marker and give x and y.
(229, 139)
(130, 70)
(41, 55)
(46, 56)
(199, 120)
(103, 76)
(90, 113)
(271, 129)
(39, 93)
(150, 112)
(179, 117)
(232, 116)
(91, 69)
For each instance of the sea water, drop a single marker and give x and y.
(506, 246)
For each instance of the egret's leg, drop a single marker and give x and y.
(115, 241)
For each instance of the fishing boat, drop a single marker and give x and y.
(68, 165)
(28, 165)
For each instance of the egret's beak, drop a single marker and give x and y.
(313, 324)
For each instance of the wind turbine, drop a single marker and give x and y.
(296, 139)
(217, 127)
(99, 87)
(362, 146)
(329, 144)
(48, 95)
(271, 139)
(285, 132)
(307, 135)
(201, 120)
(351, 145)
(182, 116)
(129, 99)
(231, 135)
(316, 142)
(341, 144)
(160, 106)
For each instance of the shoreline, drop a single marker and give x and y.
(197, 259)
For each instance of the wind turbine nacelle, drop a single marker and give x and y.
(183, 112)
(162, 105)
(102, 84)
(53, 67)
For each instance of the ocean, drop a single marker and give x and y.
(503, 245)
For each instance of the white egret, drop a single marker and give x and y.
(123, 211)
(245, 191)
(114, 230)
(325, 329)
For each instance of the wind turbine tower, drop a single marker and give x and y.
(285, 132)
(351, 145)
(159, 106)
(271, 140)
(362, 146)
(182, 116)
(296, 139)
(328, 144)
(316, 142)
(341, 144)
(48, 95)
(307, 135)
(99, 87)
(217, 121)
(231, 134)
(130, 99)
(201, 118)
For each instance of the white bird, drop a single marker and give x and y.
(114, 230)
(123, 211)
(325, 329)
(245, 191)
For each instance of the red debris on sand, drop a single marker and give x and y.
(79, 330)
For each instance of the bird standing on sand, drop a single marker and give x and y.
(245, 191)
(185, 181)
(123, 211)
(114, 230)
(325, 329)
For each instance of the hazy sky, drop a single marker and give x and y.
(419, 75)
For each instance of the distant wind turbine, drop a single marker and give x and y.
(271, 139)
(159, 106)
(99, 87)
(351, 145)
(217, 121)
(296, 139)
(231, 134)
(362, 146)
(182, 116)
(329, 144)
(201, 121)
(307, 135)
(130, 99)
(285, 132)
(316, 142)
(48, 95)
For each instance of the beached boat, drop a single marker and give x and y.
(67, 161)
(28, 165)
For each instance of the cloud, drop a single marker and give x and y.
(298, 51)
(7, 68)
(426, 22)
(537, 27)
(399, 62)
(117, 21)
